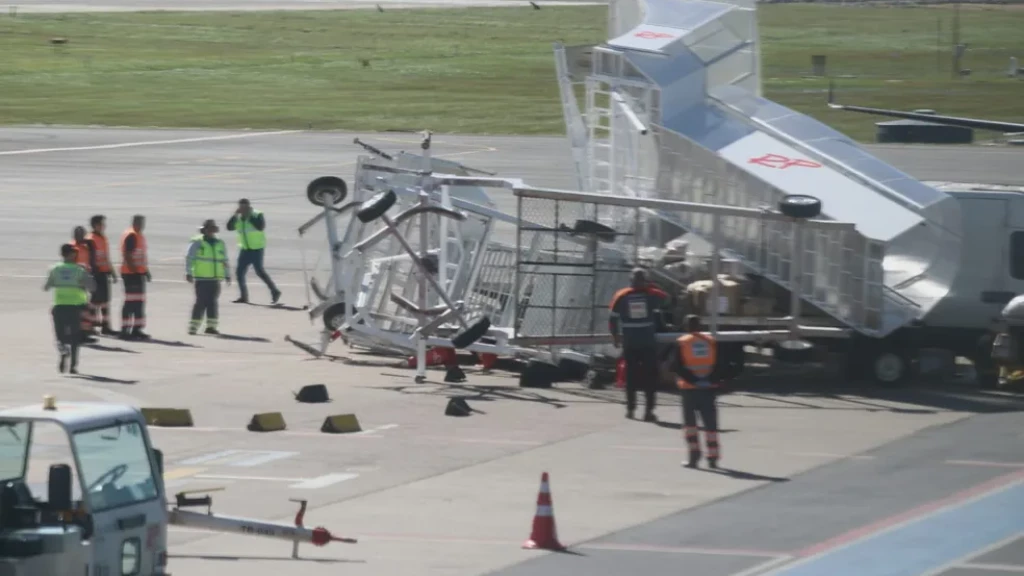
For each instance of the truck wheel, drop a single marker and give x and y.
(890, 368)
(326, 191)
(800, 206)
(794, 351)
(376, 206)
(476, 331)
(537, 375)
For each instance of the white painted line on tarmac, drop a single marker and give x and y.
(780, 452)
(259, 478)
(984, 463)
(148, 143)
(994, 567)
(965, 561)
(764, 566)
(377, 429)
(239, 458)
(323, 481)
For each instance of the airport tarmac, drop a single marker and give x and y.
(425, 493)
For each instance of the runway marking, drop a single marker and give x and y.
(685, 550)
(781, 452)
(377, 429)
(239, 458)
(993, 567)
(296, 483)
(364, 434)
(764, 566)
(148, 143)
(179, 473)
(991, 464)
(965, 561)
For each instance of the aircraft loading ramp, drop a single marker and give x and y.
(673, 111)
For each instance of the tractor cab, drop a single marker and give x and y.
(95, 506)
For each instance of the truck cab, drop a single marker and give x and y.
(117, 523)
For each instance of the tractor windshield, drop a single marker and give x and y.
(13, 449)
(115, 466)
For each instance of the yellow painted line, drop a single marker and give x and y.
(179, 473)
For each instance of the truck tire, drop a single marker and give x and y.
(334, 316)
(794, 351)
(376, 206)
(800, 206)
(890, 368)
(326, 191)
(537, 375)
(474, 332)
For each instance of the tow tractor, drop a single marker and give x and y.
(118, 525)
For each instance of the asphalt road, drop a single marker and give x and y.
(425, 493)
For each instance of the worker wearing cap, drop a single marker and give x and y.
(694, 361)
(102, 273)
(71, 284)
(206, 264)
(633, 322)
(250, 227)
(85, 256)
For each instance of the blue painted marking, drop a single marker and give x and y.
(925, 544)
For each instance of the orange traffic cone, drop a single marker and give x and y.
(543, 536)
(620, 373)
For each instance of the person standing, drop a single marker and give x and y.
(135, 274)
(85, 256)
(694, 361)
(71, 285)
(206, 264)
(250, 227)
(633, 323)
(102, 273)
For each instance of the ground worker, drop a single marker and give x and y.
(633, 313)
(694, 362)
(85, 257)
(134, 274)
(250, 226)
(102, 273)
(71, 284)
(206, 264)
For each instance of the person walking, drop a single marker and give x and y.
(102, 273)
(85, 257)
(250, 227)
(633, 323)
(206, 264)
(135, 274)
(71, 285)
(694, 361)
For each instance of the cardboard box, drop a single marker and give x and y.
(730, 296)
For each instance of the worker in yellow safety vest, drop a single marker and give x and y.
(694, 361)
(71, 284)
(250, 226)
(206, 265)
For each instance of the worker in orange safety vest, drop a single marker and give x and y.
(694, 361)
(102, 272)
(633, 322)
(85, 257)
(135, 274)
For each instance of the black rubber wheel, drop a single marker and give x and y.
(476, 331)
(800, 206)
(327, 191)
(889, 367)
(376, 206)
(591, 228)
(537, 375)
(431, 263)
(334, 316)
(794, 351)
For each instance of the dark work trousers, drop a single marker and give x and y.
(642, 373)
(133, 312)
(252, 258)
(101, 299)
(67, 326)
(207, 293)
(700, 401)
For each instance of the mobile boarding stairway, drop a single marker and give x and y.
(673, 111)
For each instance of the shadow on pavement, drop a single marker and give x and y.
(472, 393)
(173, 343)
(740, 475)
(271, 558)
(242, 338)
(102, 348)
(103, 379)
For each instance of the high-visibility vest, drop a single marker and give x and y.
(138, 255)
(82, 254)
(211, 260)
(99, 242)
(67, 285)
(249, 238)
(698, 353)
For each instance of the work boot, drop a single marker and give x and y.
(63, 365)
(87, 338)
(630, 414)
(275, 296)
(713, 463)
(138, 334)
(107, 330)
(650, 417)
(454, 375)
(212, 331)
(693, 461)
(73, 370)
(241, 301)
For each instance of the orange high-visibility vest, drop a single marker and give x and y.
(82, 254)
(698, 353)
(99, 243)
(138, 255)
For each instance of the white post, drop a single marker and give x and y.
(421, 339)
(442, 257)
(796, 280)
(716, 263)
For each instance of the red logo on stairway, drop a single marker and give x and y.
(782, 162)
(649, 35)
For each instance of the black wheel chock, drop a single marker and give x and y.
(800, 206)
(327, 191)
(376, 206)
(474, 332)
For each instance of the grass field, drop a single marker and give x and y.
(459, 70)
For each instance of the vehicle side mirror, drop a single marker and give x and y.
(59, 492)
(159, 454)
